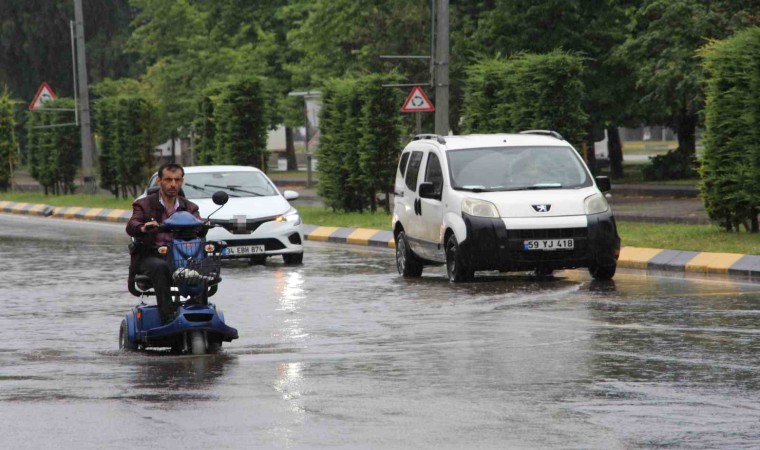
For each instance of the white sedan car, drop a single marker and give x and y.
(257, 221)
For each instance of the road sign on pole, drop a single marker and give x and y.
(417, 101)
(44, 94)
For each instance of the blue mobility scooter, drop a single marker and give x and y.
(198, 326)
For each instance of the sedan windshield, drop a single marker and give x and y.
(517, 168)
(236, 184)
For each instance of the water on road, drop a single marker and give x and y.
(343, 353)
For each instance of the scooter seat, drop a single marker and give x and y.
(143, 282)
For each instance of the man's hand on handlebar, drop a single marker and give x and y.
(149, 226)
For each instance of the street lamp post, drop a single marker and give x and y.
(307, 95)
(84, 101)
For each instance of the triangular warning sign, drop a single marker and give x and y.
(417, 102)
(44, 94)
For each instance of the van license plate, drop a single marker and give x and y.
(241, 250)
(549, 244)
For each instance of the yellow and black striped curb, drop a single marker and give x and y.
(734, 264)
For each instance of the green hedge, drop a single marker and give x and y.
(526, 91)
(9, 154)
(730, 167)
(232, 122)
(361, 132)
(53, 147)
(127, 128)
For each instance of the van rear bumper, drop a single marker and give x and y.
(491, 246)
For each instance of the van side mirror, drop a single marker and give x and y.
(603, 183)
(427, 190)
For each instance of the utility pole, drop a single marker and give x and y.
(84, 102)
(442, 68)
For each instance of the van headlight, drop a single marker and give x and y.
(479, 208)
(290, 216)
(595, 204)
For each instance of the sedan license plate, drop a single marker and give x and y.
(241, 250)
(548, 244)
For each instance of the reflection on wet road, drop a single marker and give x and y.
(342, 353)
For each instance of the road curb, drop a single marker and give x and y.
(25, 208)
(734, 264)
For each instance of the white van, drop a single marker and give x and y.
(507, 202)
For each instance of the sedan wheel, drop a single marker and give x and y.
(293, 259)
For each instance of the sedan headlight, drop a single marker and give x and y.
(595, 204)
(290, 216)
(479, 208)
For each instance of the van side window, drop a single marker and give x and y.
(434, 174)
(402, 163)
(413, 170)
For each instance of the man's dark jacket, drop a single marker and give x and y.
(144, 210)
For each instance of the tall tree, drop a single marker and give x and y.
(591, 29)
(35, 45)
(663, 39)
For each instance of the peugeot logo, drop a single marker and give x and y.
(542, 208)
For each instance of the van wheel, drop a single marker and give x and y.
(456, 266)
(406, 263)
(602, 272)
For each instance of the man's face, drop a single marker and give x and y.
(171, 182)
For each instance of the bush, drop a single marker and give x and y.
(673, 165)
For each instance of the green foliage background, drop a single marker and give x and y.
(527, 91)
(127, 129)
(55, 152)
(9, 154)
(360, 142)
(731, 161)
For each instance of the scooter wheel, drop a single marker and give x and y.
(124, 342)
(197, 343)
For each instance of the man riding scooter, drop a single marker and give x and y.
(147, 214)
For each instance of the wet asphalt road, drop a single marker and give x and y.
(342, 353)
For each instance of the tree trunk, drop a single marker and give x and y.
(686, 127)
(615, 151)
(290, 150)
(588, 151)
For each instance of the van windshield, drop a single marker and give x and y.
(517, 168)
